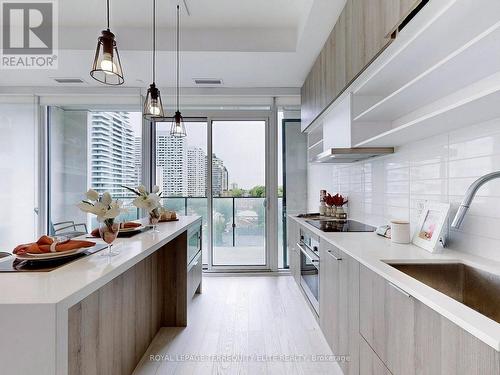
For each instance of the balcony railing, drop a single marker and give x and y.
(238, 222)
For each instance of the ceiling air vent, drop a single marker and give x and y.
(69, 80)
(208, 81)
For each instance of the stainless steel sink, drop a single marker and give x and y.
(475, 288)
(3, 255)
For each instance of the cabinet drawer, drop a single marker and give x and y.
(194, 274)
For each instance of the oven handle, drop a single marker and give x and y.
(303, 251)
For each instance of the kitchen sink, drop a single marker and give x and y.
(3, 255)
(475, 288)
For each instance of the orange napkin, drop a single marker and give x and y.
(128, 224)
(44, 243)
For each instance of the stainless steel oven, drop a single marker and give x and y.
(309, 267)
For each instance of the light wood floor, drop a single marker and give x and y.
(245, 316)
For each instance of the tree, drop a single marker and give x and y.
(257, 192)
(236, 192)
(280, 191)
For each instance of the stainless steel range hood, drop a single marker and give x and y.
(351, 155)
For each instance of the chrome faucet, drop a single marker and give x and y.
(469, 196)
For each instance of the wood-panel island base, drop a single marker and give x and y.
(110, 330)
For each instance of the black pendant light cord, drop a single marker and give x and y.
(107, 12)
(178, 87)
(154, 40)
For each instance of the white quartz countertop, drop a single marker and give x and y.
(374, 251)
(72, 282)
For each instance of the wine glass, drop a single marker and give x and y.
(108, 231)
(154, 218)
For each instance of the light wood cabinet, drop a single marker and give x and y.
(410, 338)
(396, 11)
(362, 31)
(339, 304)
(293, 251)
(387, 321)
(369, 362)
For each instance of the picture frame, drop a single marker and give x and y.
(430, 226)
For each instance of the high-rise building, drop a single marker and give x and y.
(220, 177)
(113, 153)
(172, 156)
(197, 172)
(138, 160)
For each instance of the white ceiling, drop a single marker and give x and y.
(246, 43)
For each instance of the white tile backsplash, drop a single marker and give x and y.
(438, 169)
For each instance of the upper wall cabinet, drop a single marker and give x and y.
(442, 74)
(362, 31)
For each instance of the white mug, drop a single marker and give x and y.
(400, 231)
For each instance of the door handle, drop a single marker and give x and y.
(315, 261)
(333, 255)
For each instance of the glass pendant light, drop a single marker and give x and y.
(178, 129)
(107, 67)
(153, 107)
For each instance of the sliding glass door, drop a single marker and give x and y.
(238, 193)
(218, 172)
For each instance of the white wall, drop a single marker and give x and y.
(437, 169)
(319, 177)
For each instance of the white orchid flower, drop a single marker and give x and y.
(86, 207)
(156, 189)
(106, 199)
(92, 195)
(104, 209)
(142, 189)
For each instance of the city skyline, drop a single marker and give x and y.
(181, 168)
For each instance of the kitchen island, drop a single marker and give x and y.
(98, 314)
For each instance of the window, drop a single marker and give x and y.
(88, 149)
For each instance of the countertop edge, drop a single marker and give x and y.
(66, 300)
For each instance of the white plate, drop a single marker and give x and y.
(128, 230)
(29, 256)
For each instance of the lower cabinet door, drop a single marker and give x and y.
(387, 321)
(369, 362)
(411, 338)
(339, 304)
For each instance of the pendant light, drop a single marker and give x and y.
(153, 107)
(107, 67)
(178, 129)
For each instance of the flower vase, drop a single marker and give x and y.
(108, 231)
(154, 218)
(334, 212)
(340, 213)
(328, 211)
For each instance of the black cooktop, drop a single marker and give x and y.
(341, 226)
